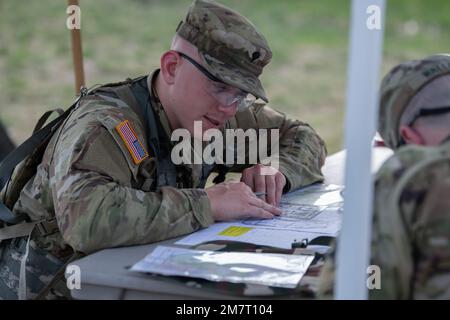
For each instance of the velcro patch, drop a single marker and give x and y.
(132, 142)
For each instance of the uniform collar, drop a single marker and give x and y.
(156, 103)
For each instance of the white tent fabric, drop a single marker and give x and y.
(365, 51)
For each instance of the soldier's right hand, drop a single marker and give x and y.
(235, 200)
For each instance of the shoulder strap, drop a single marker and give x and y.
(125, 94)
(136, 96)
(123, 91)
(416, 168)
(166, 171)
(43, 119)
(20, 153)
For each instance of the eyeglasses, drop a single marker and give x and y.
(226, 95)
(429, 112)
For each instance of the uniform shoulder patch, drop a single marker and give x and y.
(131, 140)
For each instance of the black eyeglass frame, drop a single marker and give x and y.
(201, 68)
(210, 76)
(430, 112)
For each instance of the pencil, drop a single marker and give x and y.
(258, 194)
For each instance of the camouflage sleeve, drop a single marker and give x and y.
(432, 238)
(410, 229)
(95, 203)
(301, 151)
(391, 248)
(410, 240)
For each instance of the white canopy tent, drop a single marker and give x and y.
(365, 55)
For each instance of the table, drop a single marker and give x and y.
(334, 168)
(104, 274)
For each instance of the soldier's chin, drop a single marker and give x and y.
(208, 124)
(200, 128)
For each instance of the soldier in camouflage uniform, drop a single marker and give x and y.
(98, 178)
(411, 225)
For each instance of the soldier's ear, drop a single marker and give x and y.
(411, 135)
(169, 62)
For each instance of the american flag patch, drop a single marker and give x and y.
(132, 142)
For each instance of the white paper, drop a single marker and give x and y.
(279, 270)
(318, 194)
(325, 221)
(277, 232)
(299, 221)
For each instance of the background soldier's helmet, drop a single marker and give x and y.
(231, 47)
(398, 88)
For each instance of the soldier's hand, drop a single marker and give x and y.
(235, 200)
(271, 183)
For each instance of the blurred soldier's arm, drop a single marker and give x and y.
(391, 246)
(410, 234)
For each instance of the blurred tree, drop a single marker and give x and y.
(6, 145)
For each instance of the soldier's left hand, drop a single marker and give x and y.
(266, 179)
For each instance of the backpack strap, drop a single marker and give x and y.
(132, 93)
(20, 153)
(410, 174)
(123, 92)
(24, 229)
(45, 117)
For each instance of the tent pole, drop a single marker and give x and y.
(365, 52)
(77, 54)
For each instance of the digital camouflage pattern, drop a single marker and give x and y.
(41, 269)
(101, 198)
(231, 47)
(411, 226)
(411, 232)
(90, 183)
(398, 88)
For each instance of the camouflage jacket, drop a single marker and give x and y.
(90, 183)
(411, 226)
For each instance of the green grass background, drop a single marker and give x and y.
(306, 78)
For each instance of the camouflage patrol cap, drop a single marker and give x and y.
(398, 88)
(231, 47)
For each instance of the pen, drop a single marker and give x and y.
(258, 194)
